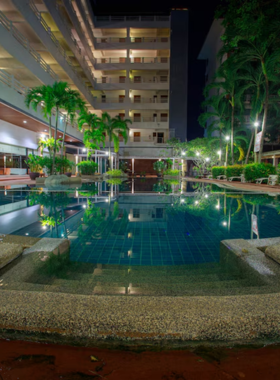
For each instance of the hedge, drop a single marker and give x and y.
(172, 172)
(234, 171)
(87, 167)
(218, 170)
(254, 171)
(116, 173)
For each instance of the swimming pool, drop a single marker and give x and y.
(164, 232)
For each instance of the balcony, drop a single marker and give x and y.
(132, 21)
(127, 103)
(19, 47)
(34, 18)
(133, 63)
(145, 43)
(137, 83)
(149, 122)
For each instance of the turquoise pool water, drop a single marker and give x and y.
(148, 222)
(145, 237)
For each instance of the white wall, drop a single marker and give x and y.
(18, 137)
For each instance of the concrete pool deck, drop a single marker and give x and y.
(153, 320)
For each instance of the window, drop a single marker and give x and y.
(163, 117)
(122, 60)
(122, 115)
(121, 98)
(137, 137)
(120, 137)
(137, 117)
(137, 79)
(137, 98)
(136, 213)
(163, 59)
(122, 79)
(103, 60)
(103, 98)
(104, 79)
(138, 39)
(163, 78)
(164, 39)
(137, 59)
(164, 98)
(122, 39)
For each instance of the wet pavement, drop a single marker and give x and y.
(26, 360)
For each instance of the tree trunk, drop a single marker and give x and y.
(221, 147)
(50, 126)
(249, 148)
(265, 111)
(110, 161)
(63, 137)
(232, 130)
(55, 137)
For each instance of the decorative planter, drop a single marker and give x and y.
(33, 176)
(68, 174)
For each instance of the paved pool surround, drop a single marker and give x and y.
(153, 320)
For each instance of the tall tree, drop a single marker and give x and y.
(252, 30)
(114, 128)
(91, 125)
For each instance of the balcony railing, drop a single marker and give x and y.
(133, 60)
(8, 25)
(122, 40)
(156, 79)
(10, 81)
(149, 100)
(57, 43)
(132, 100)
(110, 80)
(77, 47)
(132, 18)
(150, 119)
(155, 140)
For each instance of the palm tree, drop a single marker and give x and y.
(73, 104)
(39, 96)
(90, 123)
(56, 96)
(218, 117)
(114, 127)
(227, 81)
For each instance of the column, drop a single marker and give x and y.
(132, 165)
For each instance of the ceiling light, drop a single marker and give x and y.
(24, 121)
(45, 130)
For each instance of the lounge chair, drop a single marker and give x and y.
(271, 180)
(241, 178)
(219, 177)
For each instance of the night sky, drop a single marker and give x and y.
(201, 14)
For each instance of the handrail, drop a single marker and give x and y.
(133, 60)
(121, 39)
(132, 18)
(10, 81)
(9, 26)
(79, 51)
(57, 43)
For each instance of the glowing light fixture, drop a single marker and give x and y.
(224, 223)
(227, 138)
(256, 124)
(183, 153)
(197, 153)
(24, 121)
(219, 152)
(207, 159)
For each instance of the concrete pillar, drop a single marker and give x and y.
(132, 165)
(173, 165)
(274, 161)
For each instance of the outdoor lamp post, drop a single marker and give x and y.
(220, 155)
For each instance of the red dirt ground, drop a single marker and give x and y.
(35, 361)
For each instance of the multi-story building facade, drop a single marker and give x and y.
(119, 64)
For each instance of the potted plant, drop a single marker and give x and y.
(68, 168)
(159, 167)
(34, 165)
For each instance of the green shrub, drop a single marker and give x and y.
(234, 171)
(173, 172)
(115, 173)
(34, 163)
(159, 166)
(47, 162)
(63, 165)
(87, 167)
(218, 170)
(254, 171)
